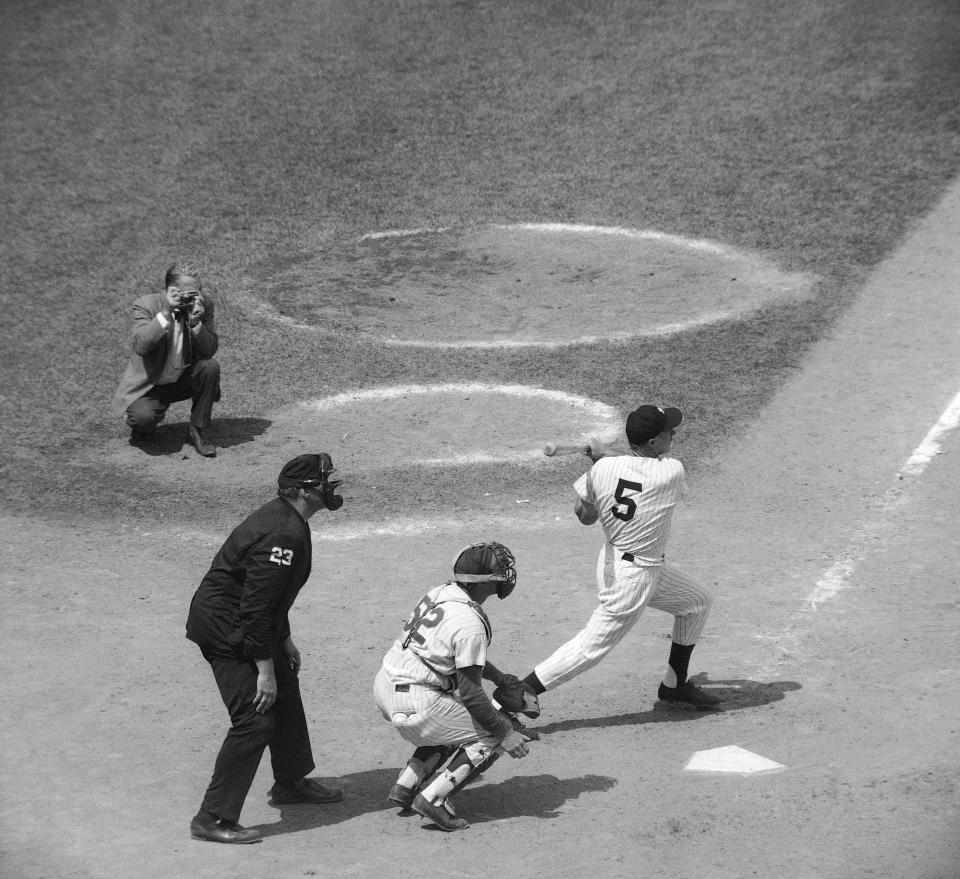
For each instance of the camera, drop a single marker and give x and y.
(182, 311)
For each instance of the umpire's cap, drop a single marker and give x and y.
(306, 470)
(646, 422)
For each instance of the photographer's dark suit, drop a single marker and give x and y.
(139, 395)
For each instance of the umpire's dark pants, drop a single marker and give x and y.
(200, 383)
(283, 729)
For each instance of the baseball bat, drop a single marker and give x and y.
(558, 448)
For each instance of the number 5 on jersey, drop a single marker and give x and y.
(626, 507)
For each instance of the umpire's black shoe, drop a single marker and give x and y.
(306, 790)
(688, 694)
(224, 831)
(437, 814)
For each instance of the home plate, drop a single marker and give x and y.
(731, 759)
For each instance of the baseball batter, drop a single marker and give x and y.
(634, 496)
(430, 687)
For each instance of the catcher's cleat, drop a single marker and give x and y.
(402, 796)
(688, 694)
(437, 814)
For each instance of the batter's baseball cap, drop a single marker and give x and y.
(646, 422)
(305, 470)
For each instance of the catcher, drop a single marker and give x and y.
(430, 687)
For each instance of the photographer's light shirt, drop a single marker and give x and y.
(175, 364)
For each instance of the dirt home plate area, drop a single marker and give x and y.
(827, 527)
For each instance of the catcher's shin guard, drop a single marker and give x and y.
(469, 761)
(430, 758)
(476, 771)
(423, 764)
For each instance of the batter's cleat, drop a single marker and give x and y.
(402, 796)
(688, 694)
(439, 815)
(306, 790)
(224, 831)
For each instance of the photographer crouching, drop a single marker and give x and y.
(174, 340)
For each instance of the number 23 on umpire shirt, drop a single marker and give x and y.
(241, 606)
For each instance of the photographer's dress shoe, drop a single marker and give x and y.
(196, 439)
(224, 831)
(306, 790)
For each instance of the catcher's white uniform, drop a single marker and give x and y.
(635, 497)
(414, 688)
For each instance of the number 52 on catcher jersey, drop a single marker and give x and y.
(446, 631)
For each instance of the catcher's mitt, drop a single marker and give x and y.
(517, 697)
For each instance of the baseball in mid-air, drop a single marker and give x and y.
(550, 450)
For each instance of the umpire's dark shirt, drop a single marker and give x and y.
(240, 608)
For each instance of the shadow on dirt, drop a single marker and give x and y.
(532, 796)
(736, 695)
(169, 439)
(538, 796)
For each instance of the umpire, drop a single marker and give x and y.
(238, 618)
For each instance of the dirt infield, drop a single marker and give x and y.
(533, 284)
(112, 721)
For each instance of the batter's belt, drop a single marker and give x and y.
(630, 557)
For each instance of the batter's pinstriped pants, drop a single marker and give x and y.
(625, 589)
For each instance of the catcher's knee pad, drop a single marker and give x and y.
(431, 757)
(477, 752)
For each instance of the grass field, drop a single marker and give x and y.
(136, 132)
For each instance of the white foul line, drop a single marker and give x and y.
(840, 572)
(931, 442)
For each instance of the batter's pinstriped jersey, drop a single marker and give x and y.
(635, 497)
(446, 631)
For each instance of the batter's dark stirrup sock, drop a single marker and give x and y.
(680, 660)
(534, 682)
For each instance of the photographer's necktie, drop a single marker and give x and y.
(186, 352)
(181, 344)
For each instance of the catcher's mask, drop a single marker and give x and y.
(313, 471)
(485, 563)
